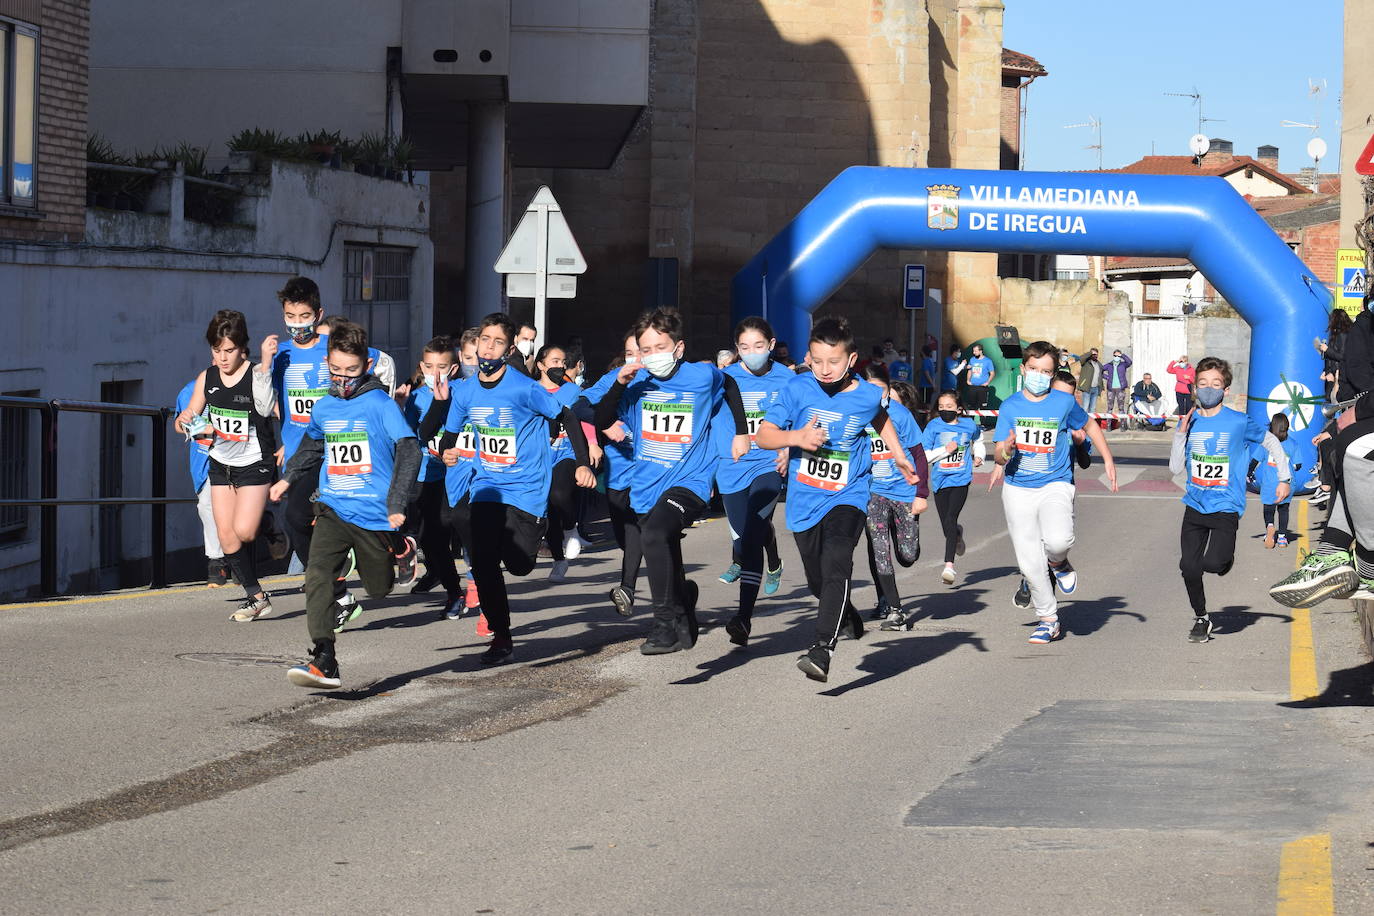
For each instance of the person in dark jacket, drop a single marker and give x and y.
(1333, 348)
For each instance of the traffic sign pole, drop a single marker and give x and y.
(541, 270)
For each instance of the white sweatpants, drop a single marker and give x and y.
(1040, 522)
(207, 523)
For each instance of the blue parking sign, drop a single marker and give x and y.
(914, 287)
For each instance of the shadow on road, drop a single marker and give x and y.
(1346, 687)
(1083, 618)
(895, 656)
(1235, 618)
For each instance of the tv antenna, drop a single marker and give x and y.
(1316, 147)
(1197, 100)
(1096, 125)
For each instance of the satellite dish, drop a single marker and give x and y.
(1316, 148)
(1199, 144)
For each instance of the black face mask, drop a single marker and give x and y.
(949, 416)
(558, 375)
(833, 388)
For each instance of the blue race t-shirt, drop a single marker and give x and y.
(837, 473)
(566, 395)
(758, 393)
(899, 371)
(1267, 472)
(619, 456)
(887, 480)
(929, 372)
(950, 381)
(950, 469)
(510, 423)
(360, 436)
(197, 452)
(980, 369)
(301, 377)
(1218, 453)
(417, 405)
(1044, 447)
(458, 478)
(670, 422)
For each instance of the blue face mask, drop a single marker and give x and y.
(467, 370)
(756, 360)
(1210, 397)
(1037, 382)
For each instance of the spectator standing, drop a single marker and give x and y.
(900, 370)
(1118, 375)
(1090, 380)
(1333, 348)
(981, 372)
(1184, 376)
(954, 366)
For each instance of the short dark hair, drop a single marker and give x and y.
(876, 372)
(754, 323)
(300, 289)
(469, 337)
(955, 348)
(833, 332)
(1213, 363)
(229, 325)
(544, 351)
(331, 322)
(664, 320)
(948, 393)
(498, 320)
(906, 395)
(350, 338)
(439, 344)
(1065, 376)
(526, 324)
(1037, 349)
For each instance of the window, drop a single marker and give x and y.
(377, 296)
(15, 424)
(18, 113)
(1071, 275)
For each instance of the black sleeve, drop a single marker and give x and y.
(584, 411)
(1250, 471)
(736, 402)
(576, 438)
(447, 441)
(433, 420)
(879, 418)
(405, 472)
(1357, 364)
(607, 410)
(305, 461)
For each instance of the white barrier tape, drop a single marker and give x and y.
(1095, 416)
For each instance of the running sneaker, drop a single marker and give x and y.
(896, 620)
(559, 573)
(1046, 632)
(1319, 497)
(948, 576)
(405, 563)
(572, 545)
(474, 603)
(1022, 598)
(731, 575)
(738, 630)
(1318, 577)
(277, 544)
(252, 609)
(959, 542)
(624, 600)
(321, 671)
(1282, 540)
(1269, 534)
(346, 608)
(1202, 629)
(500, 652)
(772, 580)
(815, 664)
(425, 583)
(350, 564)
(663, 638)
(1365, 592)
(880, 609)
(456, 606)
(483, 628)
(217, 574)
(1065, 576)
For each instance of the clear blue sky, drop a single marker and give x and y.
(1114, 59)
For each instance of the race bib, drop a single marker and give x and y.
(1210, 470)
(433, 444)
(466, 445)
(665, 422)
(229, 424)
(348, 453)
(496, 444)
(824, 469)
(753, 418)
(301, 401)
(953, 461)
(881, 450)
(1036, 437)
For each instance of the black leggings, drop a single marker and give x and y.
(949, 502)
(435, 535)
(562, 505)
(661, 531)
(827, 553)
(1282, 512)
(750, 513)
(625, 524)
(510, 536)
(1207, 544)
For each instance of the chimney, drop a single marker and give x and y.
(1219, 153)
(1269, 155)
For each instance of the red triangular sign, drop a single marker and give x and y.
(1365, 164)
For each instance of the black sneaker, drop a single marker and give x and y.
(345, 608)
(1022, 598)
(738, 630)
(425, 583)
(217, 573)
(277, 544)
(321, 671)
(500, 652)
(815, 664)
(405, 563)
(663, 638)
(1202, 629)
(624, 600)
(880, 609)
(896, 620)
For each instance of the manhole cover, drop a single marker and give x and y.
(238, 659)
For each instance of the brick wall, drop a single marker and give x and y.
(1011, 122)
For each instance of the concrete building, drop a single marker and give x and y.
(1357, 123)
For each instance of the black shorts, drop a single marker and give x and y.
(260, 474)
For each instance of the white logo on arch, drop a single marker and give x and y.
(1294, 399)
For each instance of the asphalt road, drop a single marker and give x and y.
(157, 760)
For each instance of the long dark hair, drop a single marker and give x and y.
(1339, 323)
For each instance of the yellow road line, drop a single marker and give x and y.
(1305, 877)
(144, 593)
(1302, 653)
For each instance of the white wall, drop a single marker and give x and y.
(1259, 185)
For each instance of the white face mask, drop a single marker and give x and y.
(431, 381)
(526, 347)
(659, 365)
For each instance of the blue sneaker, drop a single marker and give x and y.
(731, 575)
(772, 580)
(1065, 577)
(1047, 632)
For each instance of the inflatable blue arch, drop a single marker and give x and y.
(1202, 219)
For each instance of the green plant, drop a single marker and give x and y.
(98, 149)
(324, 138)
(372, 149)
(256, 140)
(403, 153)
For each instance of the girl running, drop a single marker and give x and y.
(749, 487)
(1266, 472)
(953, 447)
(550, 366)
(241, 401)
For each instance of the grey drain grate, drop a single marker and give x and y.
(238, 659)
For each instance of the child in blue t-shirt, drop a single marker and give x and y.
(1210, 445)
(953, 447)
(1265, 472)
(365, 459)
(823, 418)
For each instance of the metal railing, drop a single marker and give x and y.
(49, 502)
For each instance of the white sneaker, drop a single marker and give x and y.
(949, 575)
(572, 544)
(559, 573)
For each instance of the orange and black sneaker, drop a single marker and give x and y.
(321, 671)
(483, 629)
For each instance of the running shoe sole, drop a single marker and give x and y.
(947, 576)
(623, 600)
(809, 668)
(310, 676)
(1337, 583)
